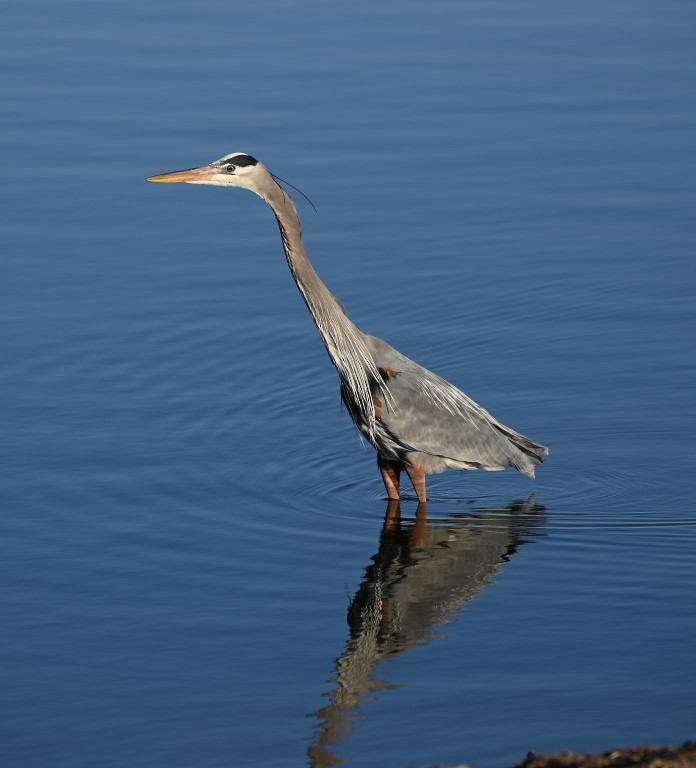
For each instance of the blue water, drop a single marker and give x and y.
(198, 565)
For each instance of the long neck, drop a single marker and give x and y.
(343, 340)
(323, 306)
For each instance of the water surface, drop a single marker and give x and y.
(198, 563)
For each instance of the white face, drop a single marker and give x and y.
(234, 170)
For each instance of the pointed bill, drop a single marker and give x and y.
(201, 174)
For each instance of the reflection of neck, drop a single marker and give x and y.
(343, 340)
(371, 639)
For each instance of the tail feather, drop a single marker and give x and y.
(533, 453)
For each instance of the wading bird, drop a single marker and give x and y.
(416, 421)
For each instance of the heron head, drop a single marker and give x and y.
(234, 170)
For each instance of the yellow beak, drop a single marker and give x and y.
(190, 174)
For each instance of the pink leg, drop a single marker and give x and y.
(417, 474)
(390, 471)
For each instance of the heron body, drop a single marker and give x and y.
(417, 422)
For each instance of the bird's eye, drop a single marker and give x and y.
(230, 168)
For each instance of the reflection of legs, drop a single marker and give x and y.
(393, 510)
(419, 535)
(417, 474)
(390, 471)
(392, 519)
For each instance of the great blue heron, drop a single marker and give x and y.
(417, 421)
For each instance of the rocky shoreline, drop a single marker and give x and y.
(683, 756)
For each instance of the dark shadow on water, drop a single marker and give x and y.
(424, 572)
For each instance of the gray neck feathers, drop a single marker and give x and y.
(343, 340)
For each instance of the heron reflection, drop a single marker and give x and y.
(423, 574)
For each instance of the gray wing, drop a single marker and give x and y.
(425, 419)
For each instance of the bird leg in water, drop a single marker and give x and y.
(417, 474)
(390, 471)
